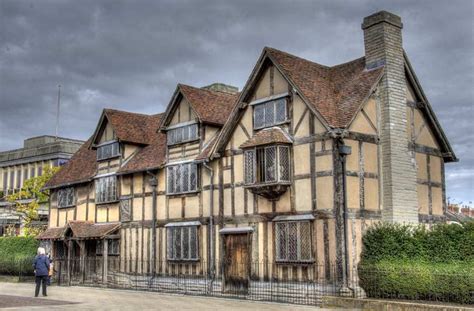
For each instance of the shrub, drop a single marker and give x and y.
(401, 261)
(452, 282)
(16, 254)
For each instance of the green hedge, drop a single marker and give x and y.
(443, 243)
(453, 282)
(406, 262)
(16, 254)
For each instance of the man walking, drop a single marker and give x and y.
(41, 267)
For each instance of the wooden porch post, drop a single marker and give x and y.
(82, 246)
(69, 254)
(105, 251)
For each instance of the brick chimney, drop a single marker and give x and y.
(383, 47)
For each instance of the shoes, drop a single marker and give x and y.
(45, 295)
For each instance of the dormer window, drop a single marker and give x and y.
(108, 150)
(182, 134)
(269, 113)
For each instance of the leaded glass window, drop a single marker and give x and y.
(269, 113)
(108, 150)
(293, 241)
(66, 197)
(106, 189)
(182, 178)
(267, 164)
(182, 243)
(182, 134)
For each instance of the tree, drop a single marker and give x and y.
(27, 201)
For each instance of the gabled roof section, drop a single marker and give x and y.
(52, 234)
(446, 149)
(89, 230)
(82, 167)
(128, 126)
(335, 92)
(211, 107)
(274, 135)
(150, 157)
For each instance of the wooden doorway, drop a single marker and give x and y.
(236, 263)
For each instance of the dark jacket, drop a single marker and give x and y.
(41, 265)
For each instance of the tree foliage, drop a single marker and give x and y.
(29, 198)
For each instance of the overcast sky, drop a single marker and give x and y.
(131, 54)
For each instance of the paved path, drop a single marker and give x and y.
(87, 298)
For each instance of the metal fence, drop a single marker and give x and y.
(304, 284)
(19, 269)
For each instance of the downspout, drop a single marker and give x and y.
(211, 220)
(344, 151)
(154, 184)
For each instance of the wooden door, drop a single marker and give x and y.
(237, 263)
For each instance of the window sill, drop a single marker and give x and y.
(267, 184)
(183, 194)
(64, 207)
(273, 125)
(109, 158)
(183, 142)
(108, 202)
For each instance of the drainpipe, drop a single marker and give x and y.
(211, 219)
(154, 184)
(344, 151)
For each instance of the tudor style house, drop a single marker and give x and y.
(288, 173)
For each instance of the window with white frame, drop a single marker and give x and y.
(182, 242)
(106, 189)
(293, 241)
(182, 178)
(267, 164)
(182, 134)
(66, 197)
(108, 150)
(269, 113)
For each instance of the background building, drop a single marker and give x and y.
(18, 165)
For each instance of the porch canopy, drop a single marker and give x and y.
(80, 230)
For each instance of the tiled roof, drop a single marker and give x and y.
(274, 135)
(80, 168)
(211, 106)
(151, 156)
(207, 149)
(83, 165)
(51, 234)
(88, 229)
(336, 92)
(129, 127)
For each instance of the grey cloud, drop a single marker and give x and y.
(130, 55)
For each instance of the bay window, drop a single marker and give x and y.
(268, 164)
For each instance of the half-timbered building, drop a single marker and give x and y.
(278, 181)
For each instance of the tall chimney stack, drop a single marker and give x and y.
(383, 47)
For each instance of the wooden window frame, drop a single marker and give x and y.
(170, 243)
(188, 127)
(299, 239)
(264, 106)
(258, 163)
(63, 191)
(171, 177)
(117, 153)
(97, 190)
